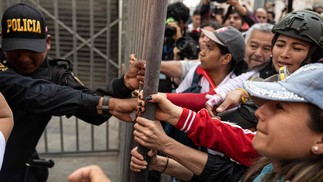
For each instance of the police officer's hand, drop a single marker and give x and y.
(135, 73)
(92, 173)
(123, 109)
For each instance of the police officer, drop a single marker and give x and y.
(25, 42)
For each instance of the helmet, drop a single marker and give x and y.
(303, 24)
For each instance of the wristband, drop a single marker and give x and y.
(105, 106)
(167, 160)
(244, 99)
(214, 100)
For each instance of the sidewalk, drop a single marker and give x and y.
(66, 165)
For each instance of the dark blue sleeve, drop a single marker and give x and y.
(41, 96)
(115, 88)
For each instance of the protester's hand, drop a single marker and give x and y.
(123, 109)
(150, 134)
(165, 111)
(135, 73)
(232, 99)
(214, 101)
(91, 173)
(138, 162)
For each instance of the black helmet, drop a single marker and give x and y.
(303, 24)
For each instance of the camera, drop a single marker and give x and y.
(169, 30)
(189, 47)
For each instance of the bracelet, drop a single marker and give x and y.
(244, 99)
(167, 160)
(105, 106)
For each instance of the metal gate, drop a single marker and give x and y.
(87, 33)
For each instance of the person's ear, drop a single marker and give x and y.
(317, 148)
(226, 59)
(48, 40)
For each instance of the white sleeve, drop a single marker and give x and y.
(2, 148)
(234, 83)
(187, 66)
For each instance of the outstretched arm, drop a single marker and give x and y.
(92, 173)
(206, 131)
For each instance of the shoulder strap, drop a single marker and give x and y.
(196, 78)
(195, 87)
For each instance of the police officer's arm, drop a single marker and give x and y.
(42, 96)
(119, 108)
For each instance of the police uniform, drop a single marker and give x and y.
(34, 102)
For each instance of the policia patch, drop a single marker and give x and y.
(3, 67)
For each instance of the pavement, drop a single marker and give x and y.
(74, 158)
(66, 165)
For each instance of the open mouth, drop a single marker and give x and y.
(280, 64)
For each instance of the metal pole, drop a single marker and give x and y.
(156, 27)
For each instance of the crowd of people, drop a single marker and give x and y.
(243, 101)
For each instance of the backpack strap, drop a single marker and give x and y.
(195, 87)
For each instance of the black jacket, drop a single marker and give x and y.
(34, 102)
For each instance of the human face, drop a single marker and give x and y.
(261, 16)
(283, 131)
(196, 20)
(25, 62)
(210, 56)
(258, 48)
(234, 20)
(204, 39)
(290, 52)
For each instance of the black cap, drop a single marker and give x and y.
(23, 27)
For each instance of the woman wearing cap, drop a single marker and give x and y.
(213, 133)
(293, 106)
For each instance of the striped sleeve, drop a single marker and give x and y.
(225, 137)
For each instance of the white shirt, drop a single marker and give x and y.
(187, 66)
(204, 83)
(235, 83)
(2, 148)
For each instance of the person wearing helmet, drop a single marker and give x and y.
(285, 108)
(297, 41)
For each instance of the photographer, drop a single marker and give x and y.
(187, 47)
(176, 18)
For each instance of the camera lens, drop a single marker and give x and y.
(169, 31)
